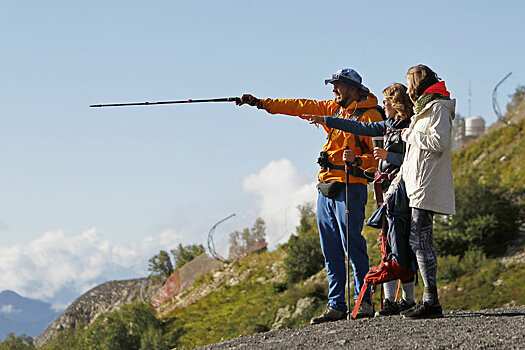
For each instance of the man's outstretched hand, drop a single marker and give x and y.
(248, 99)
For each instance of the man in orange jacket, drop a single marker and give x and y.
(352, 100)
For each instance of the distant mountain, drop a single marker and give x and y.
(20, 315)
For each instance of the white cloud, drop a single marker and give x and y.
(56, 261)
(58, 267)
(280, 190)
(9, 310)
(59, 307)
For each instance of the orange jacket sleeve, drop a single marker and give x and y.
(298, 107)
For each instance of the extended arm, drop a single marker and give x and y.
(355, 127)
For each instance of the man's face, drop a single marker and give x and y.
(344, 94)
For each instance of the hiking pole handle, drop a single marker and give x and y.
(223, 99)
(347, 163)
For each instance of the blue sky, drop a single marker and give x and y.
(125, 182)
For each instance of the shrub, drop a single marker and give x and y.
(21, 342)
(486, 219)
(160, 264)
(453, 267)
(260, 328)
(183, 255)
(305, 257)
(134, 326)
(279, 287)
(248, 240)
(516, 98)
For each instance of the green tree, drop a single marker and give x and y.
(21, 342)
(153, 340)
(133, 327)
(304, 257)
(128, 328)
(70, 338)
(182, 255)
(160, 264)
(248, 240)
(516, 98)
(486, 219)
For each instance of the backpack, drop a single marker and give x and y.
(397, 259)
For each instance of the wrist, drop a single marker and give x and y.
(357, 161)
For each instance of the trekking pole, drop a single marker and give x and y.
(347, 174)
(223, 99)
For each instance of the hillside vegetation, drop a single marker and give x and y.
(481, 264)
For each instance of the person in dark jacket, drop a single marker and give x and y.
(398, 109)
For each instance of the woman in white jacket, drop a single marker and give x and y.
(427, 173)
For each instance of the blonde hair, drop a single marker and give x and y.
(421, 78)
(397, 95)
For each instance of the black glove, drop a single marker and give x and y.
(248, 99)
(357, 161)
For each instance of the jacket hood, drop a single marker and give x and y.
(449, 104)
(437, 88)
(371, 101)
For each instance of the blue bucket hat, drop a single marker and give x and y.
(349, 77)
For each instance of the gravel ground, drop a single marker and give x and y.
(486, 329)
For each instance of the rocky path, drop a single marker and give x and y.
(486, 329)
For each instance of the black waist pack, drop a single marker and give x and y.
(330, 189)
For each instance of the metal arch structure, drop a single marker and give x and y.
(211, 245)
(495, 105)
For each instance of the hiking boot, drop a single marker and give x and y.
(390, 308)
(424, 310)
(365, 310)
(329, 315)
(404, 305)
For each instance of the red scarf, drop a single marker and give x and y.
(438, 88)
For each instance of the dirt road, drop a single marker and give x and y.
(486, 329)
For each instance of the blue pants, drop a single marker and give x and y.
(331, 218)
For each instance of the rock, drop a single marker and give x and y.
(102, 299)
(283, 314)
(302, 305)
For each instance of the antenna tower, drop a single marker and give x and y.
(469, 99)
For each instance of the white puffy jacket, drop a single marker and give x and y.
(427, 167)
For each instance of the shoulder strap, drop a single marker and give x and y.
(337, 113)
(360, 111)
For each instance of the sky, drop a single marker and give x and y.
(90, 194)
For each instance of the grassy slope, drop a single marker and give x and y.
(243, 308)
(251, 305)
(497, 157)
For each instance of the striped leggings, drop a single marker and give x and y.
(422, 243)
